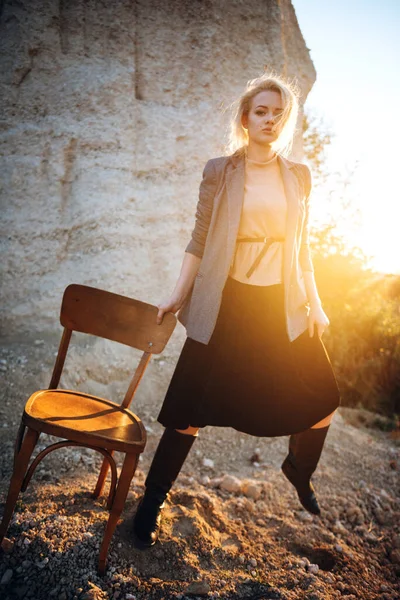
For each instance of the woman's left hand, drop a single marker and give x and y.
(317, 317)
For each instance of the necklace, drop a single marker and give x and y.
(259, 162)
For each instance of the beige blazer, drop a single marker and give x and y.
(214, 236)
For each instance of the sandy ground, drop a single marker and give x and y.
(232, 528)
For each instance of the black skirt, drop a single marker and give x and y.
(250, 376)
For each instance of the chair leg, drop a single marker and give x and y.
(124, 482)
(18, 440)
(102, 477)
(20, 467)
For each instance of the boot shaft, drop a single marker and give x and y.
(168, 459)
(305, 449)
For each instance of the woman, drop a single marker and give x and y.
(253, 358)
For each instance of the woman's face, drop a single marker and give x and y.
(262, 122)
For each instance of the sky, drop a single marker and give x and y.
(355, 48)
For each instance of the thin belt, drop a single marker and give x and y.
(267, 242)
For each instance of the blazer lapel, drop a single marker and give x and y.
(235, 192)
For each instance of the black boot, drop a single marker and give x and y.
(305, 449)
(169, 457)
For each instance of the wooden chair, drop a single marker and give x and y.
(89, 421)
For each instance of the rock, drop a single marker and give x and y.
(354, 514)
(305, 516)
(42, 563)
(339, 527)
(396, 541)
(395, 557)
(7, 545)
(215, 482)
(95, 593)
(253, 562)
(338, 548)
(198, 588)
(205, 480)
(7, 576)
(313, 568)
(381, 516)
(208, 462)
(252, 489)
(230, 483)
(130, 597)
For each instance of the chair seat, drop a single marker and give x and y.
(86, 419)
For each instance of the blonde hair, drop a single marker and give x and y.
(290, 93)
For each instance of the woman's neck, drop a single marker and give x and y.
(259, 154)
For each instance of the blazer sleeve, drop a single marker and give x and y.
(305, 259)
(204, 210)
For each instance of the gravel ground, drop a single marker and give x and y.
(232, 527)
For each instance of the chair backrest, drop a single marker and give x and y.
(118, 318)
(114, 317)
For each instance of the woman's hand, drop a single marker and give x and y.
(173, 304)
(317, 317)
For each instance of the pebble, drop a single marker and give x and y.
(215, 482)
(7, 545)
(95, 593)
(381, 516)
(253, 562)
(198, 588)
(252, 490)
(305, 516)
(7, 576)
(338, 548)
(313, 568)
(339, 527)
(208, 462)
(230, 483)
(395, 557)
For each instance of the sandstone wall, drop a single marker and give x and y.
(109, 112)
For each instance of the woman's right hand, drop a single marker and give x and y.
(173, 304)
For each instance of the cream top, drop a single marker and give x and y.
(263, 214)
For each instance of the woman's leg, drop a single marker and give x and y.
(190, 430)
(326, 421)
(305, 449)
(171, 452)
